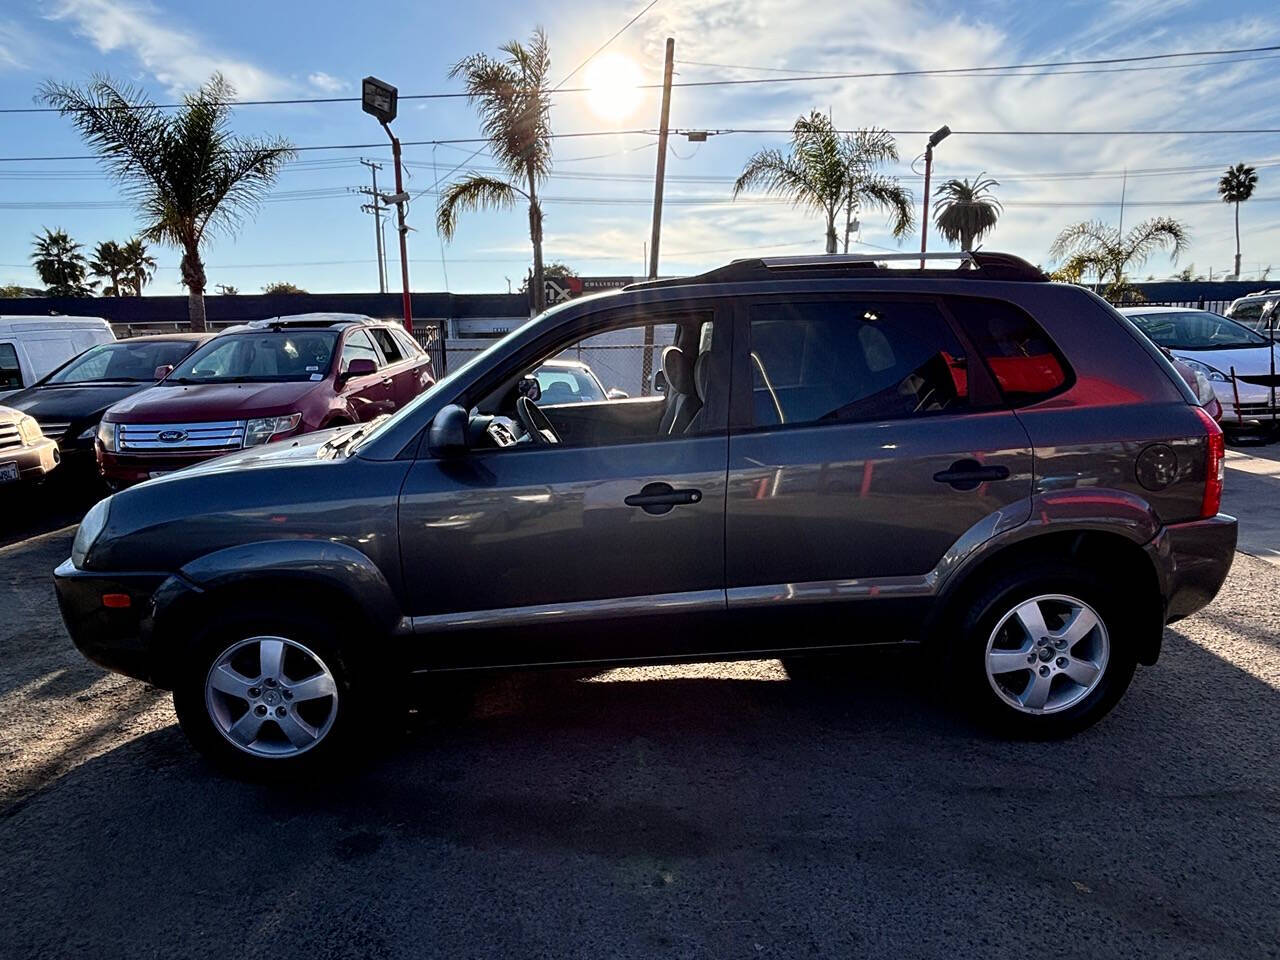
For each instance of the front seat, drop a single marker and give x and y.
(682, 392)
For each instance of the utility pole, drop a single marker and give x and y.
(401, 198)
(646, 374)
(376, 209)
(1124, 184)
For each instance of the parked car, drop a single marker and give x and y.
(1199, 383)
(69, 402)
(1258, 312)
(998, 470)
(1214, 346)
(261, 383)
(572, 381)
(25, 453)
(32, 346)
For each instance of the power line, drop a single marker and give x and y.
(940, 71)
(626, 26)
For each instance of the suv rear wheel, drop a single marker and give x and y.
(1045, 651)
(266, 696)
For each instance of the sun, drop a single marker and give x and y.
(614, 80)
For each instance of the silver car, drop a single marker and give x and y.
(1239, 364)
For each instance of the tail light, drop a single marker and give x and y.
(1215, 465)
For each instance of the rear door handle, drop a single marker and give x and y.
(970, 474)
(659, 498)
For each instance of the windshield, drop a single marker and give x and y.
(123, 361)
(567, 385)
(269, 357)
(1195, 330)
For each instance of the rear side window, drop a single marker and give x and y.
(1022, 359)
(390, 349)
(851, 360)
(10, 371)
(408, 346)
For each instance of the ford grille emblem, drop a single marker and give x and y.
(171, 436)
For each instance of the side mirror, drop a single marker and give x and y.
(529, 387)
(660, 382)
(162, 371)
(360, 367)
(613, 393)
(447, 436)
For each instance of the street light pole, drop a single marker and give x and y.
(379, 99)
(936, 138)
(400, 199)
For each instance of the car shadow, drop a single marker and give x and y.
(702, 811)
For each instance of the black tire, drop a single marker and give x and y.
(316, 637)
(997, 597)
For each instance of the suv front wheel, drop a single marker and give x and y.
(265, 696)
(1045, 651)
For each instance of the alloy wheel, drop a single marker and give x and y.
(1047, 654)
(271, 696)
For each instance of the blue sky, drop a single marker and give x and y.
(313, 233)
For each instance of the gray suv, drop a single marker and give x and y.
(997, 469)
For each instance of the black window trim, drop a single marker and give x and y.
(984, 394)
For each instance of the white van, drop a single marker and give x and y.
(32, 346)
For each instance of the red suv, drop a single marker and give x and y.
(259, 383)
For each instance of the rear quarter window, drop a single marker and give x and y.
(1026, 365)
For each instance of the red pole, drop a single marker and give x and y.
(404, 232)
(924, 222)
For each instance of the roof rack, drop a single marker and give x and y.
(974, 265)
(306, 320)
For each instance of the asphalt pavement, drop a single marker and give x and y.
(721, 810)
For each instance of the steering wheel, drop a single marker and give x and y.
(535, 423)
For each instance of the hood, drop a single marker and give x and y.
(1248, 361)
(71, 402)
(199, 402)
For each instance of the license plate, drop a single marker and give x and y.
(9, 472)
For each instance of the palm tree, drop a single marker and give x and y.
(139, 265)
(514, 102)
(967, 210)
(61, 265)
(829, 172)
(1237, 186)
(1095, 247)
(190, 176)
(108, 262)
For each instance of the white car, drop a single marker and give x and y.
(1216, 347)
(31, 346)
(1257, 311)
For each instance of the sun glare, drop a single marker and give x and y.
(614, 79)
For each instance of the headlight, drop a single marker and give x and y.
(89, 432)
(265, 428)
(1209, 372)
(90, 528)
(29, 431)
(107, 436)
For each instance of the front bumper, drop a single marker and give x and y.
(117, 638)
(1192, 561)
(36, 461)
(124, 470)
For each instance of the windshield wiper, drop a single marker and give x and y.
(338, 444)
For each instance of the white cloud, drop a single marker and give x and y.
(178, 59)
(326, 83)
(12, 39)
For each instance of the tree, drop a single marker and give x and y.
(61, 265)
(226, 290)
(552, 271)
(1094, 247)
(188, 174)
(139, 265)
(108, 263)
(514, 102)
(16, 290)
(967, 211)
(829, 172)
(1235, 187)
(281, 288)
